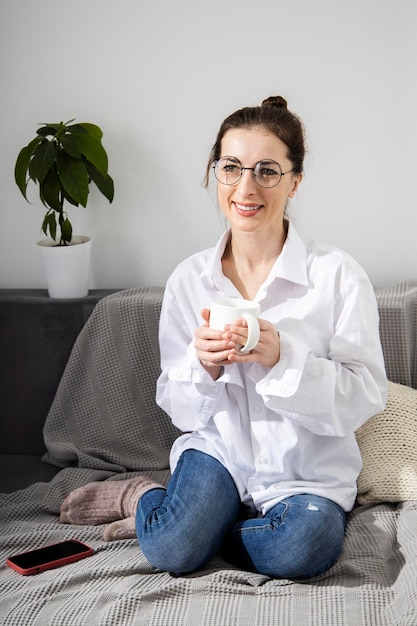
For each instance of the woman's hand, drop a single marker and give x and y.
(212, 349)
(216, 348)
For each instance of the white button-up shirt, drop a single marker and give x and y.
(288, 429)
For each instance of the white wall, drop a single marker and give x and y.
(159, 77)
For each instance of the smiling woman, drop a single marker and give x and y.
(258, 190)
(258, 160)
(268, 460)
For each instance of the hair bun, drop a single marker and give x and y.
(275, 101)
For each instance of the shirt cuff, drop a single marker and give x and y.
(284, 378)
(191, 370)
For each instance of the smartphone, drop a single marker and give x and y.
(49, 557)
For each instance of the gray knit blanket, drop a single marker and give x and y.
(104, 424)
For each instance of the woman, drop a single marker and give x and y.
(267, 469)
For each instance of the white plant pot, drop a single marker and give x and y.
(67, 268)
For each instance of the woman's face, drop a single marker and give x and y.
(247, 205)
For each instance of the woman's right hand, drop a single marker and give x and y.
(212, 350)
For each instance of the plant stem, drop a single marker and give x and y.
(61, 220)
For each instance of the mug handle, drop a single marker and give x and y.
(253, 333)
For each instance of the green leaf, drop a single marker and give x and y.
(104, 183)
(68, 198)
(94, 152)
(66, 230)
(45, 224)
(43, 159)
(74, 178)
(22, 165)
(71, 145)
(77, 128)
(50, 191)
(86, 127)
(49, 223)
(49, 129)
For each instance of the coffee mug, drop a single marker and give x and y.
(229, 310)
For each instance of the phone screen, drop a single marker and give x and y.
(49, 554)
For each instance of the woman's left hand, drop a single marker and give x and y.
(267, 351)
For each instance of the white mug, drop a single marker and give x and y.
(229, 310)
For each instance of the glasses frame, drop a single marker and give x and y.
(242, 169)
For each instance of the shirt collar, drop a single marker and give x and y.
(291, 264)
(213, 269)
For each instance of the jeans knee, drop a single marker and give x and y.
(181, 529)
(298, 539)
(175, 558)
(312, 561)
(316, 551)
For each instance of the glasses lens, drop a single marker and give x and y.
(267, 173)
(228, 170)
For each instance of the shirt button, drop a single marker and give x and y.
(263, 460)
(257, 409)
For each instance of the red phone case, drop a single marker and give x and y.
(48, 557)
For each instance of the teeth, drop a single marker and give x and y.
(248, 208)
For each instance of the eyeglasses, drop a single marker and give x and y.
(267, 173)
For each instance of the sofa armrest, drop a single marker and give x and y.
(397, 306)
(36, 337)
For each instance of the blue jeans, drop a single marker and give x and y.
(200, 515)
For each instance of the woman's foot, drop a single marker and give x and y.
(105, 501)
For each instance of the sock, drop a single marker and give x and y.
(122, 529)
(105, 501)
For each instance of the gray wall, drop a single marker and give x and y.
(159, 77)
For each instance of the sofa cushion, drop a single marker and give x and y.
(388, 444)
(104, 415)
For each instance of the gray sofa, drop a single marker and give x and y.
(77, 384)
(37, 334)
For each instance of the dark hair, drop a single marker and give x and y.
(276, 118)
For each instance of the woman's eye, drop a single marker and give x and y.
(267, 172)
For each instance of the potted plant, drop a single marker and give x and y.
(63, 159)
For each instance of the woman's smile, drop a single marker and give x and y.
(247, 209)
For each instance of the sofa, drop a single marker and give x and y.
(77, 385)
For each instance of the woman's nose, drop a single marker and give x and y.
(247, 182)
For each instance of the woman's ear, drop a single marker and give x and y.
(297, 178)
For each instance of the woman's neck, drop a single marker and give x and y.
(248, 258)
